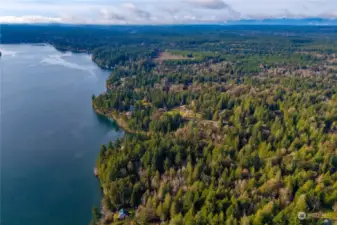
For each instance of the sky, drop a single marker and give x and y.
(160, 11)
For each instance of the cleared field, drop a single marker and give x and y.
(186, 113)
(163, 56)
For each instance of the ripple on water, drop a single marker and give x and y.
(59, 59)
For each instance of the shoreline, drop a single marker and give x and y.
(113, 115)
(119, 121)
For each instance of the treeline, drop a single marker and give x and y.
(113, 46)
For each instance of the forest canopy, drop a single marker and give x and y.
(234, 131)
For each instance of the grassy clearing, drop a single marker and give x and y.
(186, 113)
(164, 56)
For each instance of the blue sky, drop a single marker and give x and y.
(160, 11)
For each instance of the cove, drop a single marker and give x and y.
(50, 135)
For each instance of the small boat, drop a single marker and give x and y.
(96, 172)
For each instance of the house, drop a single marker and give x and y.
(129, 113)
(162, 110)
(122, 214)
(96, 172)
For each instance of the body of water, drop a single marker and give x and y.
(50, 135)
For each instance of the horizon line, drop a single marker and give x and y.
(289, 21)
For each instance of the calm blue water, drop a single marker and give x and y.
(50, 136)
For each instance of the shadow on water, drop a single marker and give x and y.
(107, 122)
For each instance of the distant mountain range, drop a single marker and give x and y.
(286, 21)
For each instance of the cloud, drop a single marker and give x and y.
(30, 19)
(165, 12)
(110, 15)
(329, 15)
(209, 4)
(140, 13)
(124, 13)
